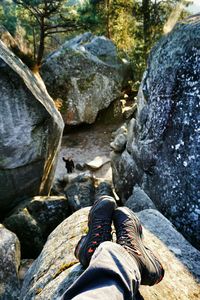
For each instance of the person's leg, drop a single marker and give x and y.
(115, 270)
(111, 274)
(99, 228)
(129, 236)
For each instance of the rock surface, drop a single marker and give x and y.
(95, 140)
(30, 130)
(9, 265)
(80, 191)
(85, 75)
(139, 200)
(181, 261)
(97, 162)
(48, 276)
(56, 267)
(162, 153)
(119, 143)
(33, 220)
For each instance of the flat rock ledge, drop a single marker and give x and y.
(56, 267)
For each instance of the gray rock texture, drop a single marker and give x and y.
(56, 268)
(139, 200)
(163, 148)
(9, 265)
(97, 162)
(119, 143)
(30, 130)
(181, 261)
(85, 75)
(80, 192)
(34, 219)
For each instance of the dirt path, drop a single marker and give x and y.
(84, 144)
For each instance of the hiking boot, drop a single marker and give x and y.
(99, 224)
(104, 189)
(129, 235)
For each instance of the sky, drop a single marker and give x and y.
(195, 7)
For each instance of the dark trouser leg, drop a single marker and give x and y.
(112, 274)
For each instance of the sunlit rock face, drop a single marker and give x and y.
(163, 143)
(9, 264)
(56, 268)
(84, 76)
(30, 131)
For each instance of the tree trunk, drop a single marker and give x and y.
(108, 34)
(41, 44)
(146, 24)
(34, 45)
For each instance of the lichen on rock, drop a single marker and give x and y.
(87, 74)
(165, 142)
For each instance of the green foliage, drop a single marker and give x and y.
(112, 18)
(47, 17)
(8, 16)
(91, 18)
(122, 24)
(133, 25)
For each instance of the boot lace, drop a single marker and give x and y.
(127, 236)
(101, 231)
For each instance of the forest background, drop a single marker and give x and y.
(40, 26)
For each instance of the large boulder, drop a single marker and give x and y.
(56, 268)
(34, 219)
(163, 148)
(85, 75)
(30, 130)
(9, 265)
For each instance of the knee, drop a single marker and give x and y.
(106, 245)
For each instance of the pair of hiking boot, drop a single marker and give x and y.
(129, 235)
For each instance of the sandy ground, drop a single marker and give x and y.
(83, 145)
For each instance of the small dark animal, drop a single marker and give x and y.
(69, 164)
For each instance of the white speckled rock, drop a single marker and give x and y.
(165, 137)
(30, 130)
(86, 74)
(56, 268)
(9, 265)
